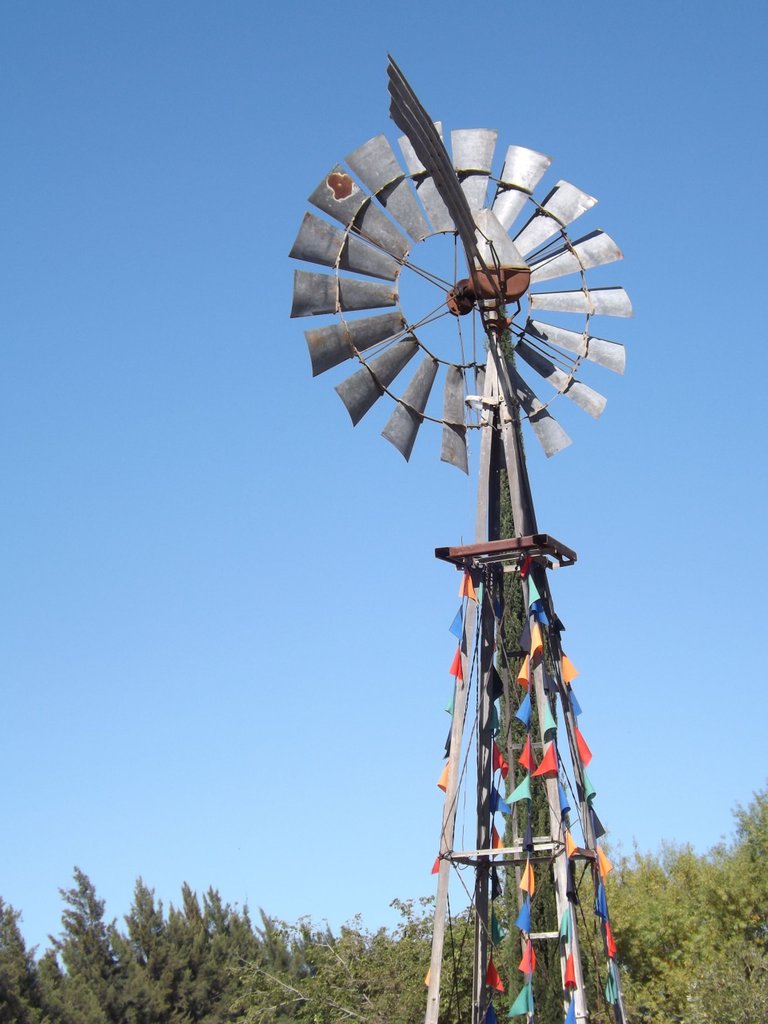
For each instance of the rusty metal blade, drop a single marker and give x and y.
(341, 197)
(586, 398)
(378, 168)
(597, 301)
(592, 250)
(454, 442)
(564, 204)
(403, 425)
(314, 294)
(609, 354)
(472, 158)
(360, 391)
(548, 431)
(321, 242)
(523, 170)
(329, 346)
(411, 117)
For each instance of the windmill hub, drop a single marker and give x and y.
(505, 284)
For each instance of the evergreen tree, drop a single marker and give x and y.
(19, 988)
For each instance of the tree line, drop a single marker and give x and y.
(691, 930)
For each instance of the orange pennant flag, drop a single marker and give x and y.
(610, 944)
(499, 761)
(548, 767)
(537, 644)
(467, 589)
(527, 879)
(570, 843)
(570, 974)
(528, 963)
(603, 863)
(496, 842)
(568, 670)
(436, 865)
(455, 669)
(526, 759)
(442, 782)
(492, 977)
(427, 976)
(584, 752)
(523, 676)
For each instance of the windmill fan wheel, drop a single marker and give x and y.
(385, 215)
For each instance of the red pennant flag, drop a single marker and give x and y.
(442, 782)
(436, 865)
(492, 977)
(548, 767)
(584, 752)
(528, 963)
(455, 669)
(467, 589)
(525, 566)
(568, 670)
(570, 973)
(610, 944)
(499, 763)
(526, 759)
(524, 674)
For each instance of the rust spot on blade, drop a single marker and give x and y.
(340, 184)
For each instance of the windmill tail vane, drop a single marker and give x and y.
(381, 214)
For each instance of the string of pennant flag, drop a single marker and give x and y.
(539, 645)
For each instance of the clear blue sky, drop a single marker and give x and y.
(224, 643)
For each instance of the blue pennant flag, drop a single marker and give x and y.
(564, 805)
(537, 610)
(601, 904)
(576, 707)
(571, 1015)
(523, 919)
(497, 804)
(457, 626)
(490, 1015)
(523, 713)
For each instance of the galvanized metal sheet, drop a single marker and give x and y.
(598, 301)
(412, 162)
(564, 204)
(494, 244)
(472, 157)
(321, 242)
(411, 117)
(454, 442)
(403, 425)
(523, 170)
(329, 346)
(586, 398)
(548, 431)
(314, 294)
(437, 212)
(609, 354)
(360, 391)
(339, 195)
(593, 250)
(373, 226)
(378, 168)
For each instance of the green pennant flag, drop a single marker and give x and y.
(533, 594)
(449, 705)
(496, 930)
(495, 726)
(565, 925)
(589, 790)
(523, 1003)
(550, 725)
(522, 792)
(611, 990)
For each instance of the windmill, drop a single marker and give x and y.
(492, 300)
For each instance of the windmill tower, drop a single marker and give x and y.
(510, 245)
